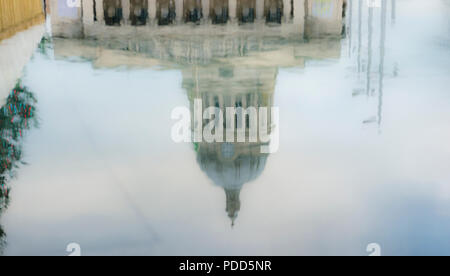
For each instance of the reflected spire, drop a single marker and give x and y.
(233, 204)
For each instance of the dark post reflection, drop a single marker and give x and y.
(369, 52)
(359, 35)
(372, 89)
(381, 66)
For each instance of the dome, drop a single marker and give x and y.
(234, 172)
(230, 166)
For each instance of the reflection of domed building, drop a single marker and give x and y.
(238, 70)
(236, 81)
(231, 164)
(236, 67)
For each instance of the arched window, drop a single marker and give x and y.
(246, 11)
(112, 12)
(192, 10)
(165, 11)
(138, 12)
(273, 11)
(219, 11)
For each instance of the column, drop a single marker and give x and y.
(179, 10)
(340, 10)
(299, 14)
(205, 10)
(222, 103)
(244, 101)
(287, 10)
(126, 11)
(152, 11)
(88, 12)
(232, 6)
(100, 11)
(260, 9)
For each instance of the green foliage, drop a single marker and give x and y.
(16, 116)
(45, 45)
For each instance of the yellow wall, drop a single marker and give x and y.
(17, 15)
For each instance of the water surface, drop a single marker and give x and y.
(363, 157)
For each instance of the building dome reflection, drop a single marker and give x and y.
(231, 173)
(226, 66)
